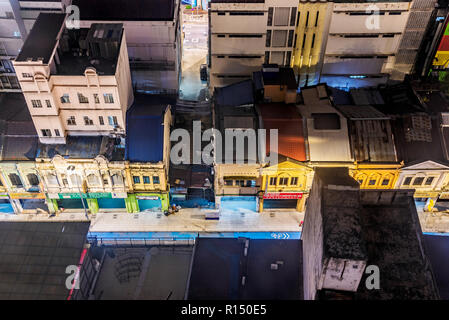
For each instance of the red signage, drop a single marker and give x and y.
(282, 195)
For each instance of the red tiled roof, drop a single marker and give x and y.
(288, 121)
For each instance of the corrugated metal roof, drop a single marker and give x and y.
(74, 148)
(288, 121)
(236, 94)
(366, 97)
(362, 113)
(145, 127)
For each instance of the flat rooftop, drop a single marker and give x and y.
(219, 265)
(34, 257)
(42, 38)
(126, 10)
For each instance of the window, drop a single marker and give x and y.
(246, 13)
(87, 121)
(279, 38)
(221, 13)
(290, 38)
(57, 133)
(307, 19)
(283, 181)
(228, 182)
(33, 179)
(293, 17)
(294, 42)
(316, 20)
(268, 40)
(15, 180)
(360, 181)
(277, 57)
(27, 75)
(250, 183)
(46, 132)
(48, 103)
(36, 103)
(294, 181)
(100, 119)
(418, 181)
(9, 15)
(96, 99)
(155, 179)
(136, 179)
(75, 179)
(429, 180)
(240, 183)
(326, 121)
(108, 98)
(313, 41)
(221, 36)
(146, 180)
(93, 180)
(52, 179)
(303, 40)
(372, 182)
(273, 181)
(385, 182)
(82, 99)
(270, 17)
(407, 181)
(117, 179)
(105, 180)
(65, 182)
(281, 16)
(71, 121)
(297, 19)
(112, 120)
(65, 98)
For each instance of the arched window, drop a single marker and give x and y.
(15, 180)
(105, 178)
(92, 180)
(52, 179)
(117, 179)
(76, 179)
(33, 179)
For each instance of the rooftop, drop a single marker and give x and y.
(18, 136)
(42, 38)
(126, 10)
(219, 264)
(34, 257)
(273, 75)
(145, 127)
(288, 121)
(96, 47)
(83, 147)
(237, 94)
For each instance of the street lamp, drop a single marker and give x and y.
(72, 170)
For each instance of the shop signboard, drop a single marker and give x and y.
(283, 195)
(90, 195)
(27, 195)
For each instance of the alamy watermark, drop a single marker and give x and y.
(241, 146)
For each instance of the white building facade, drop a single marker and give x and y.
(75, 90)
(245, 34)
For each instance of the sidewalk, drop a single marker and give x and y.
(186, 220)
